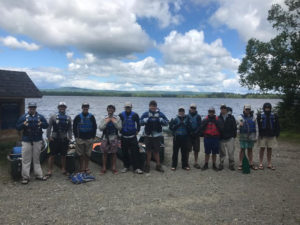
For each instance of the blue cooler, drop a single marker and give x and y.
(16, 152)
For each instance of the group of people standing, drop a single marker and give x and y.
(219, 134)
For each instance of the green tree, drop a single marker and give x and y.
(275, 65)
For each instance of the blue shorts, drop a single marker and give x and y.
(211, 145)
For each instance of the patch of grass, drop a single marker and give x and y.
(290, 135)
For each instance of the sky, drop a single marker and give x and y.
(169, 45)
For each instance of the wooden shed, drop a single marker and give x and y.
(15, 86)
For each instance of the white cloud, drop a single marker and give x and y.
(248, 17)
(13, 42)
(104, 28)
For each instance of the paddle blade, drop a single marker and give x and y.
(245, 165)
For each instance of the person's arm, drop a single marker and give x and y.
(48, 133)
(198, 129)
(144, 119)
(173, 125)
(94, 126)
(203, 126)
(69, 128)
(44, 123)
(20, 123)
(118, 123)
(234, 127)
(102, 124)
(163, 119)
(75, 126)
(137, 120)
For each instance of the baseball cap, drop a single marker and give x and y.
(193, 105)
(211, 109)
(247, 106)
(62, 104)
(128, 104)
(32, 104)
(85, 105)
(181, 107)
(223, 106)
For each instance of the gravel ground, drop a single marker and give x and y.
(180, 197)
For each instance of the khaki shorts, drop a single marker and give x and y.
(267, 142)
(84, 146)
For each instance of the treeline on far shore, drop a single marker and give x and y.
(179, 94)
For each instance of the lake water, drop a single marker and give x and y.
(169, 106)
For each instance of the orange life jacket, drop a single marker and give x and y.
(211, 129)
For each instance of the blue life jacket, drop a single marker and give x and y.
(153, 123)
(85, 124)
(182, 129)
(33, 129)
(193, 121)
(249, 125)
(264, 121)
(61, 124)
(110, 129)
(129, 125)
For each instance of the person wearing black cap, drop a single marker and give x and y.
(129, 143)
(84, 130)
(193, 143)
(31, 123)
(110, 125)
(269, 130)
(180, 129)
(211, 128)
(227, 143)
(59, 134)
(153, 120)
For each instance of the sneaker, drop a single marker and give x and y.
(221, 167)
(215, 167)
(24, 181)
(205, 167)
(159, 168)
(124, 170)
(139, 171)
(232, 167)
(147, 169)
(197, 166)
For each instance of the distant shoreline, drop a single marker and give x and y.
(158, 94)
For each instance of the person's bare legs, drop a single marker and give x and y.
(241, 155)
(81, 163)
(269, 157)
(206, 158)
(156, 157)
(196, 157)
(86, 163)
(104, 159)
(261, 157)
(214, 158)
(63, 164)
(50, 164)
(114, 160)
(250, 156)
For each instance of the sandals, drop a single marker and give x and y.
(173, 168)
(197, 166)
(48, 175)
(240, 167)
(102, 172)
(114, 171)
(187, 168)
(253, 167)
(271, 167)
(261, 167)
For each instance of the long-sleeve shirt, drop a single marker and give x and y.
(61, 134)
(117, 124)
(84, 135)
(33, 132)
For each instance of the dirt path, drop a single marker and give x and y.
(181, 197)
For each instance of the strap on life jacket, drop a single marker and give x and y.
(129, 124)
(264, 121)
(249, 125)
(85, 124)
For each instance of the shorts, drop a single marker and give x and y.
(267, 142)
(193, 143)
(152, 144)
(111, 147)
(84, 146)
(211, 145)
(59, 146)
(246, 144)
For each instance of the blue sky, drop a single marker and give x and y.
(191, 45)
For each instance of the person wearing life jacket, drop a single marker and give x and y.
(32, 124)
(59, 134)
(153, 120)
(211, 129)
(248, 135)
(129, 143)
(110, 125)
(84, 130)
(180, 128)
(269, 130)
(193, 143)
(227, 139)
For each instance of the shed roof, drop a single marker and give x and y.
(17, 84)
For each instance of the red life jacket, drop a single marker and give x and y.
(211, 129)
